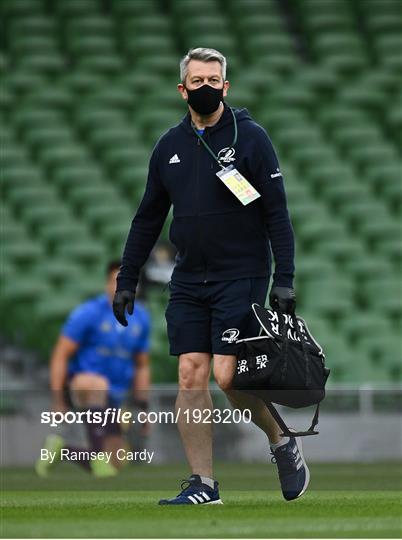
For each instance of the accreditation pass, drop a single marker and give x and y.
(238, 185)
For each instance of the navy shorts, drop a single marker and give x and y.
(209, 317)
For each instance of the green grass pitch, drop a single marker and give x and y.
(344, 500)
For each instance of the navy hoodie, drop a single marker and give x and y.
(217, 238)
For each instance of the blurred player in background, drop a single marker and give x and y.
(97, 363)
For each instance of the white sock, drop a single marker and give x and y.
(208, 481)
(283, 441)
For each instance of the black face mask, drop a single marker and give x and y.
(205, 99)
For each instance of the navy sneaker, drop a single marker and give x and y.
(193, 491)
(293, 472)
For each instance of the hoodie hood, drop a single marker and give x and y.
(224, 120)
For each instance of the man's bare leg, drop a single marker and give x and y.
(194, 370)
(224, 368)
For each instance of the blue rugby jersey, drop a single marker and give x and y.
(105, 346)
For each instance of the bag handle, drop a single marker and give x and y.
(285, 430)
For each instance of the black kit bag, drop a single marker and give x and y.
(285, 366)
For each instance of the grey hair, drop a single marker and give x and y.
(205, 55)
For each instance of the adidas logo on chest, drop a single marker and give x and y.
(174, 159)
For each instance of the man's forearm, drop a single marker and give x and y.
(145, 229)
(283, 248)
(140, 241)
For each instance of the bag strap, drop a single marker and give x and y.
(285, 430)
(285, 345)
(285, 342)
(306, 354)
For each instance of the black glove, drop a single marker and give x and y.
(121, 301)
(283, 298)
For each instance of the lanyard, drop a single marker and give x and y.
(207, 145)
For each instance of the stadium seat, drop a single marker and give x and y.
(20, 290)
(327, 44)
(22, 8)
(12, 232)
(97, 117)
(306, 156)
(57, 271)
(385, 293)
(88, 25)
(379, 348)
(125, 8)
(132, 178)
(363, 96)
(365, 156)
(40, 44)
(144, 46)
(115, 137)
(257, 81)
(260, 23)
(253, 7)
(23, 252)
(146, 24)
(366, 266)
(107, 63)
(117, 158)
(114, 98)
(345, 63)
(321, 22)
(68, 176)
(240, 97)
(88, 45)
(57, 233)
(279, 62)
(293, 134)
(374, 8)
(39, 25)
(19, 175)
(85, 287)
(42, 214)
(100, 213)
(66, 8)
(49, 63)
(38, 137)
(328, 295)
(81, 80)
(55, 308)
(60, 155)
(384, 23)
(357, 325)
(385, 228)
(92, 195)
(25, 196)
(164, 63)
(82, 251)
(115, 235)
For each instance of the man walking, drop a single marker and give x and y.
(219, 171)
